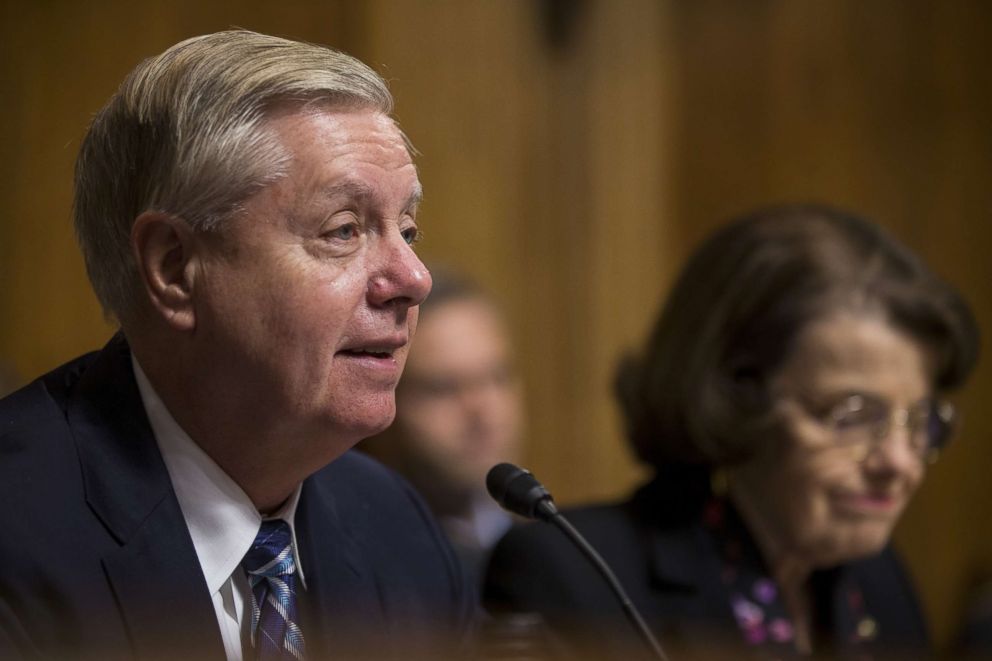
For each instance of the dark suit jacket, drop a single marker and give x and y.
(671, 568)
(96, 560)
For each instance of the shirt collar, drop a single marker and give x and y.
(222, 520)
(484, 525)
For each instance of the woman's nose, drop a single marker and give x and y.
(897, 450)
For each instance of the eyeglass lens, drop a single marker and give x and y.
(859, 418)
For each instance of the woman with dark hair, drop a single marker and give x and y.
(789, 400)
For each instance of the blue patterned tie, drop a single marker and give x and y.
(272, 575)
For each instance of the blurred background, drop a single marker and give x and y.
(573, 152)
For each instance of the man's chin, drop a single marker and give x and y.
(358, 429)
(373, 428)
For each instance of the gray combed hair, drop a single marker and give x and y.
(184, 135)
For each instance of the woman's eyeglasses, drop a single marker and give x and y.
(862, 422)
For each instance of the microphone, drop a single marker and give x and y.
(517, 490)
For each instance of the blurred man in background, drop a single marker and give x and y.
(459, 412)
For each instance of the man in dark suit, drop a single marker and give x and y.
(246, 208)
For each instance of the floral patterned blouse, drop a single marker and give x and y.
(841, 623)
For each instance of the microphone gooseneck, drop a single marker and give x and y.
(517, 490)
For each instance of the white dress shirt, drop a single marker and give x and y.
(485, 524)
(222, 520)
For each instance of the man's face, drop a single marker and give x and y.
(460, 404)
(306, 301)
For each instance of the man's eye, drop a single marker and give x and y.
(412, 235)
(344, 232)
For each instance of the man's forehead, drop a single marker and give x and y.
(310, 116)
(363, 190)
(342, 152)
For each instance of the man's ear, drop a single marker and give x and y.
(164, 247)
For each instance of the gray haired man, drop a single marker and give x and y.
(246, 208)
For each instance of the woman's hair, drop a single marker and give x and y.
(697, 394)
(186, 134)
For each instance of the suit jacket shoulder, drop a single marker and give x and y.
(382, 574)
(95, 548)
(96, 560)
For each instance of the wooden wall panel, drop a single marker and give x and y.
(573, 153)
(626, 261)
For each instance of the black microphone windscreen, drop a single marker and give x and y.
(517, 490)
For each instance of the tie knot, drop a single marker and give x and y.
(272, 552)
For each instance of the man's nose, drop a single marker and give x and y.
(400, 279)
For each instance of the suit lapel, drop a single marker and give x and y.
(154, 572)
(342, 605)
(161, 591)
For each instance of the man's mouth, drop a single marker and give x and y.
(369, 351)
(381, 348)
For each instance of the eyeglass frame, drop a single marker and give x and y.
(939, 412)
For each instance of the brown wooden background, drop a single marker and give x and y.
(573, 152)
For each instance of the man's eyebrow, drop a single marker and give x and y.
(349, 188)
(415, 197)
(362, 191)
